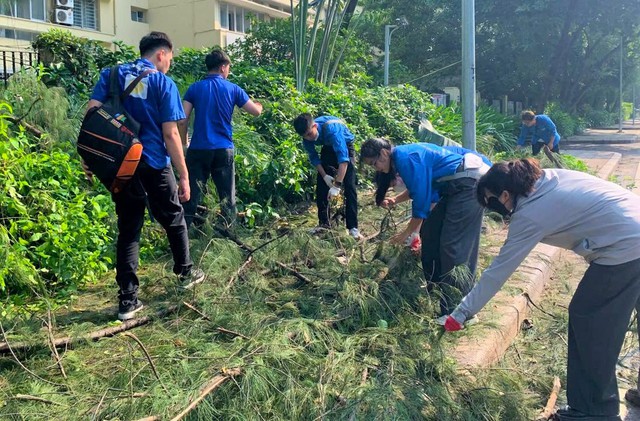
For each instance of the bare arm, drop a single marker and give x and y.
(252, 107)
(321, 170)
(183, 125)
(413, 226)
(342, 170)
(171, 137)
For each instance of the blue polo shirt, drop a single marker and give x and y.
(155, 100)
(420, 165)
(214, 99)
(333, 132)
(539, 132)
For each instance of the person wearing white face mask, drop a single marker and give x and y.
(598, 220)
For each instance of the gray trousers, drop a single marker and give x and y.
(450, 240)
(599, 315)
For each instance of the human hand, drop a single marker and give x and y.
(184, 190)
(399, 238)
(334, 192)
(87, 172)
(328, 180)
(452, 325)
(388, 203)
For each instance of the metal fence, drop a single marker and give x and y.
(13, 61)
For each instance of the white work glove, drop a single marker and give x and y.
(334, 192)
(328, 180)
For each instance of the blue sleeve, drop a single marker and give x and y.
(189, 95)
(524, 131)
(334, 134)
(548, 123)
(417, 178)
(101, 90)
(170, 103)
(310, 147)
(241, 97)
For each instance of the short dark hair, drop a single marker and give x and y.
(303, 123)
(152, 41)
(517, 177)
(527, 115)
(216, 59)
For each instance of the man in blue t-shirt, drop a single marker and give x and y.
(155, 104)
(334, 165)
(541, 130)
(211, 149)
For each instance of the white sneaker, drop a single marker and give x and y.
(355, 233)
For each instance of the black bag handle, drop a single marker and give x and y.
(114, 85)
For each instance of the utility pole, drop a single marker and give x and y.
(620, 108)
(468, 74)
(388, 30)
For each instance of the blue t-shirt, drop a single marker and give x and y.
(155, 100)
(540, 132)
(420, 165)
(331, 131)
(463, 151)
(214, 99)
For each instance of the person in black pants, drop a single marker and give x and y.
(335, 165)
(211, 150)
(156, 104)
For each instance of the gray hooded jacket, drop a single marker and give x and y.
(597, 219)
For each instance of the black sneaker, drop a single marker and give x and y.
(128, 308)
(194, 277)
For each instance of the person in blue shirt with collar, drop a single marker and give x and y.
(211, 150)
(430, 173)
(541, 130)
(335, 165)
(155, 104)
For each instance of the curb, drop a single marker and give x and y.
(484, 345)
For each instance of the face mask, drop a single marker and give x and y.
(494, 205)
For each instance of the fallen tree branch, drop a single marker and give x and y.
(36, 399)
(230, 236)
(15, 357)
(153, 367)
(28, 127)
(294, 272)
(552, 157)
(551, 402)
(238, 273)
(219, 329)
(92, 336)
(54, 350)
(211, 385)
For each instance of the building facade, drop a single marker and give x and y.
(189, 23)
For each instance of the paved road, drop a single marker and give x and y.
(627, 173)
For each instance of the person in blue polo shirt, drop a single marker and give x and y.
(431, 173)
(541, 130)
(335, 165)
(155, 104)
(211, 150)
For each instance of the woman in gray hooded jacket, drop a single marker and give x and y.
(596, 219)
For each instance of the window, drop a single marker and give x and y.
(234, 18)
(26, 9)
(84, 14)
(16, 34)
(138, 15)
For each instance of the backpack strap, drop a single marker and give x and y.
(135, 82)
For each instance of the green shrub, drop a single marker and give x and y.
(54, 234)
(566, 124)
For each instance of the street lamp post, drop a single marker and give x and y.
(388, 30)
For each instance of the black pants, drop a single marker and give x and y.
(599, 314)
(450, 240)
(219, 164)
(329, 161)
(537, 147)
(162, 193)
